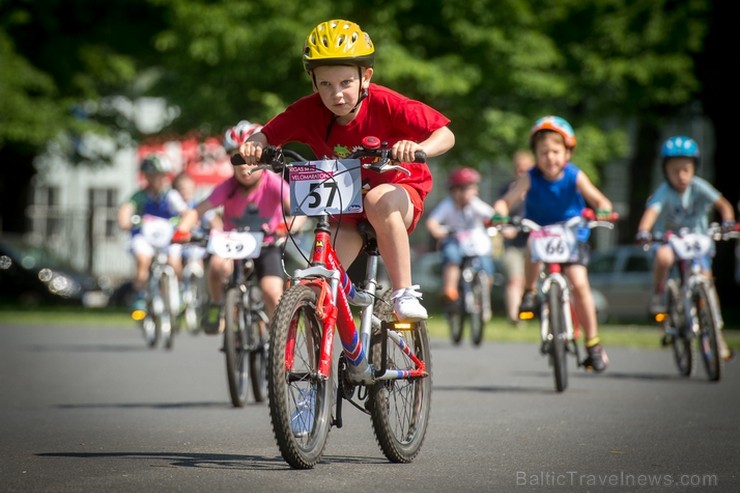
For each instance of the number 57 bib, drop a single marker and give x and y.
(329, 186)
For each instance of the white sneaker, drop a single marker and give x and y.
(406, 304)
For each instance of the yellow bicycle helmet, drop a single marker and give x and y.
(338, 42)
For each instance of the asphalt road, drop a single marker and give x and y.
(88, 409)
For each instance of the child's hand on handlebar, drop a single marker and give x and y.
(404, 151)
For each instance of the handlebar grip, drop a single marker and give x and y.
(420, 157)
(237, 159)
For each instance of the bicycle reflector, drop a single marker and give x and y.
(526, 315)
(660, 317)
(138, 315)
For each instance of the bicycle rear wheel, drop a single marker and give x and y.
(675, 328)
(707, 340)
(558, 356)
(236, 367)
(300, 401)
(400, 408)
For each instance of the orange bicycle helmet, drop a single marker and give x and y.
(555, 124)
(462, 177)
(338, 42)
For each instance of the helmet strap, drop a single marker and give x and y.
(362, 93)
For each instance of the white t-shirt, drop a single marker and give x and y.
(467, 223)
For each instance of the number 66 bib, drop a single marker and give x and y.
(554, 244)
(328, 186)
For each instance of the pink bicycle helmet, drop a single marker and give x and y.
(238, 134)
(462, 177)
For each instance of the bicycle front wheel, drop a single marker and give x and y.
(236, 367)
(400, 408)
(708, 343)
(455, 314)
(258, 347)
(169, 290)
(557, 334)
(676, 330)
(193, 295)
(300, 400)
(476, 312)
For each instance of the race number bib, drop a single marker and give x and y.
(157, 231)
(554, 244)
(474, 242)
(235, 244)
(328, 186)
(692, 245)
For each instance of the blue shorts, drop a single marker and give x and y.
(452, 254)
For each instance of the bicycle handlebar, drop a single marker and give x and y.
(588, 217)
(273, 157)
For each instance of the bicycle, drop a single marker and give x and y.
(386, 362)
(691, 300)
(194, 293)
(474, 301)
(158, 319)
(555, 245)
(245, 342)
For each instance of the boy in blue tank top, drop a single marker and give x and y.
(554, 191)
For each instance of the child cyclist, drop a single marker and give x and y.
(157, 198)
(682, 200)
(249, 196)
(556, 190)
(458, 225)
(344, 108)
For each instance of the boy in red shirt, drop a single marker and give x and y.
(343, 109)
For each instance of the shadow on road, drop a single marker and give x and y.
(212, 461)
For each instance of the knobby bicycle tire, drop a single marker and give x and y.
(400, 408)
(707, 339)
(681, 336)
(557, 332)
(300, 401)
(236, 367)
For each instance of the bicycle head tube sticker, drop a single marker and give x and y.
(327, 186)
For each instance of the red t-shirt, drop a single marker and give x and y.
(384, 114)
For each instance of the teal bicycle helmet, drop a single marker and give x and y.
(679, 146)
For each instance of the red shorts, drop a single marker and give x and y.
(416, 202)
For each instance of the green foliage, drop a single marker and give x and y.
(493, 67)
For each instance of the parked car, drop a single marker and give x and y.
(32, 275)
(622, 281)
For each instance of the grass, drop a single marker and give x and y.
(625, 335)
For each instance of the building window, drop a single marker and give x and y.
(45, 214)
(103, 209)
